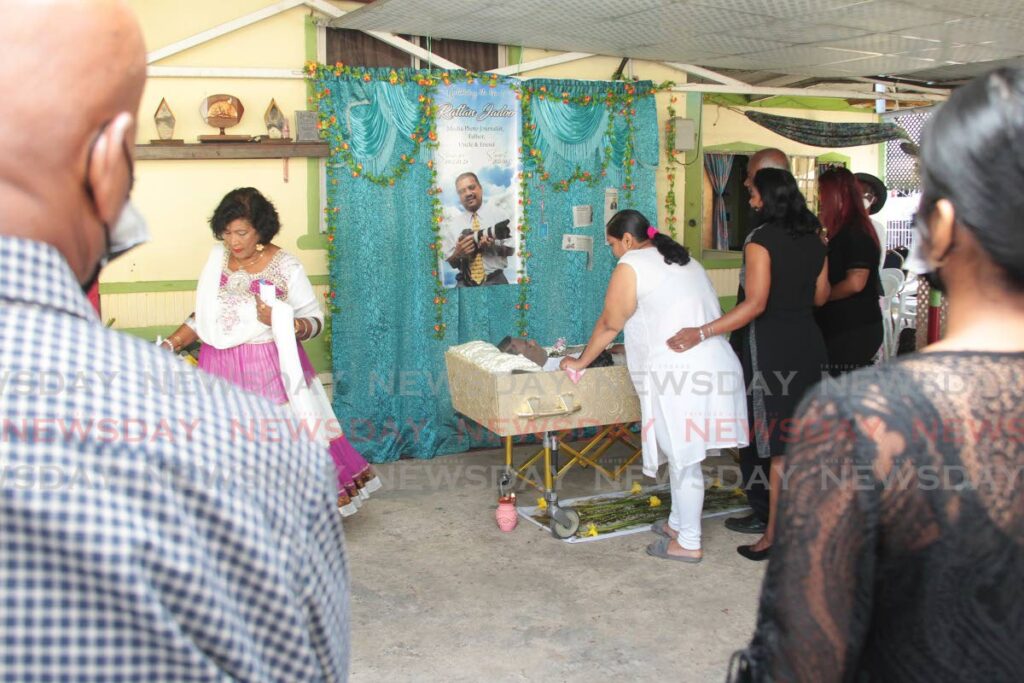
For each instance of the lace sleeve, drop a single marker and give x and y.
(817, 594)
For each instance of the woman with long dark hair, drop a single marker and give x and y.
(688, 404)
(784, 276)
(900, 554)
(851, 320)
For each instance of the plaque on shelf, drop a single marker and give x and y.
(305, 127)
(164, 120)
(222, 111)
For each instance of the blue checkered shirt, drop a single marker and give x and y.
(155, 524)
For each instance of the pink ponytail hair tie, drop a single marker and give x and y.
(651, 232)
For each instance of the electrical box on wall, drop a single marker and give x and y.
(686, 135)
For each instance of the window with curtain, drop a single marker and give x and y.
(734, 199)
(361, 49)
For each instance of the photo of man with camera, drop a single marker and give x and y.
(477, 242)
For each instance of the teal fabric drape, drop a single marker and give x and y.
(390, 381)
(378, 115)
(575, 134)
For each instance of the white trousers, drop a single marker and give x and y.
(686, 482)
(687, 485)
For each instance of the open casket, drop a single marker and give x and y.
(510, 401)
(509, 404)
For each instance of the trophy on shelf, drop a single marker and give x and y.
(222, 111)
(277, 125)
(164, 119)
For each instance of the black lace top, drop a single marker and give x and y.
(899, 554)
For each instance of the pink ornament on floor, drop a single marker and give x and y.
(506, 514)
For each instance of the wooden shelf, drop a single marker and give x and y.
(232, 150)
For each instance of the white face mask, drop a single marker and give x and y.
(129, 232)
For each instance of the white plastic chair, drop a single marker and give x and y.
(892, 282)
(906, 310)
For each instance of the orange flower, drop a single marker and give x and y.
(367, 77)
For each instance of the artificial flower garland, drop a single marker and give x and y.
(673, 161)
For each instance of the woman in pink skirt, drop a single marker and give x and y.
(254, 304)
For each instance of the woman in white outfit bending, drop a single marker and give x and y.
(689, 403)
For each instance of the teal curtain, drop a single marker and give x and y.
(390, 382)
(378, 116)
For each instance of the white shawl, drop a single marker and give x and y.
(246, 328)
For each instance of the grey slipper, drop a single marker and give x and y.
(660, 549)
(659, 528)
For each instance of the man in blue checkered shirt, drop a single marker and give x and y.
(155, 525)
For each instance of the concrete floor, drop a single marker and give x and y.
(440, 594)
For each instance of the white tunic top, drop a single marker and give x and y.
(692, 401)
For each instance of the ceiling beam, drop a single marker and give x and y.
(221, 72)
(222, 29)
(514, 69)
(909, 87)
(804, 92)
(782, 81)
(704, 73)
(414, 49)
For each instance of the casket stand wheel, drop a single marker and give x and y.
(564, 521)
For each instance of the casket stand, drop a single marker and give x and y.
(550, 404)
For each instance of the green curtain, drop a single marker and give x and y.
(390, 381)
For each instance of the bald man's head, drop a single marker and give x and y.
(72, 76)
(770, 157)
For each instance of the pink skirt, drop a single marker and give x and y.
(256, 368)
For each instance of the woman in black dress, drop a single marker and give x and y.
(774, 334)
(851, 321)
(900, 552)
